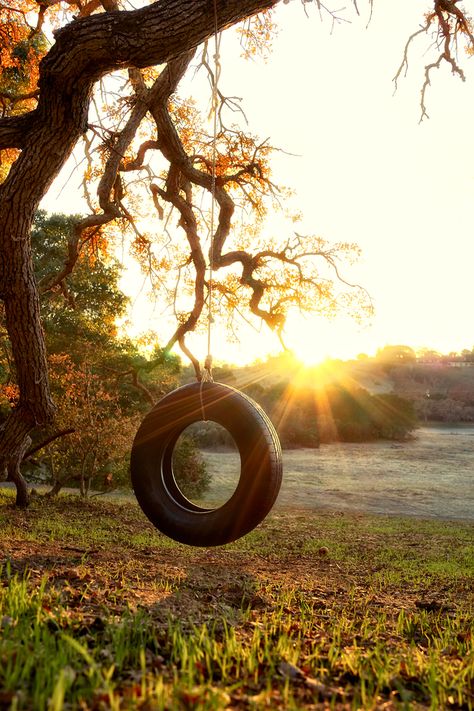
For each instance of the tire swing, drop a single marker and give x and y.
(152, 470)
(260, 453)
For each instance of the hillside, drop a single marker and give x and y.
(441, 391)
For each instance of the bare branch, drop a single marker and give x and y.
(404, 64)
(48, 440)
(450, 23)
(192, 358)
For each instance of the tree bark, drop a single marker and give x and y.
(12, 464)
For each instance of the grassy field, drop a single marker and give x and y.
(313, 610)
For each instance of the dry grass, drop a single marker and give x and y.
(430, 476)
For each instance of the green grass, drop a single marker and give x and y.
(99, 611)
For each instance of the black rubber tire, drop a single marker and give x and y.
(152, 473)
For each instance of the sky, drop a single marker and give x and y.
(364, 170)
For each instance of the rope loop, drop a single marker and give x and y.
(206, 377)
(207, 370)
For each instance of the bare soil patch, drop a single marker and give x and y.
(112, 547)
(431, 476)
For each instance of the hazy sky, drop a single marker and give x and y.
(365, 170)
(369, 172)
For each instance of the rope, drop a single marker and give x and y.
(207, 370)
(207, 374)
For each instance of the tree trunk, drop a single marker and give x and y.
(57, 484)
(55, 489)
(12, 465)
(22, 312)
(82, 480)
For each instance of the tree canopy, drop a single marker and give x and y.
(98, 73)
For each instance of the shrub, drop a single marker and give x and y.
(189, 468)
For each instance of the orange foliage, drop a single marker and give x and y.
(96, 244)
(22, 46)
(11, 33)
(257, 33)
(9, 394)
(7, 157)
(188, 123)
(21, 49)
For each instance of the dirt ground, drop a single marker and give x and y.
(431, 476)
(344, 586)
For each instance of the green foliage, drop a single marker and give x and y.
(208, 435)
(101, 384)
(291, 410)
(81, 312)
(189, 468)
(358, 416)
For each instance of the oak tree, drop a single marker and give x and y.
(45, 111)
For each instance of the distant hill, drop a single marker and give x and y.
(440, 390)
